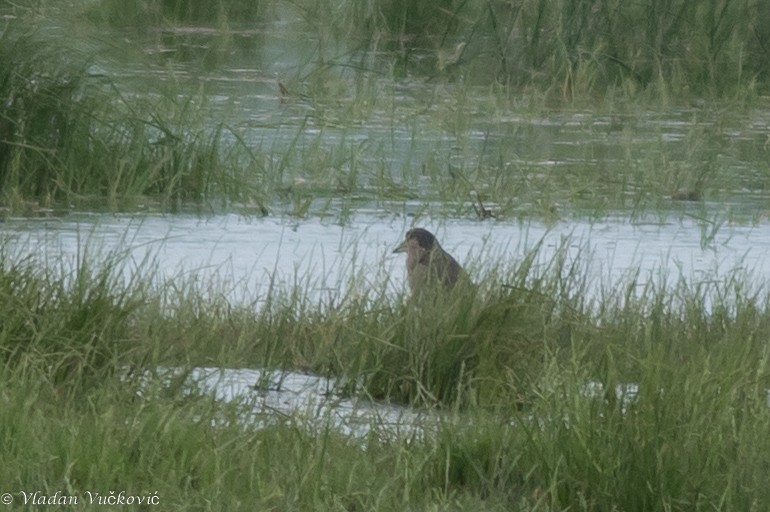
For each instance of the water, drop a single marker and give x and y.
(343, 122)
(309, 400)
(341, 117)
(247, 254)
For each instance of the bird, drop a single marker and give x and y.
(427, 264)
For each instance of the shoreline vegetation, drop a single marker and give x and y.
(504, 369)
(77, 132)
(503, 374)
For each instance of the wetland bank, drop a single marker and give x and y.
(198, 301)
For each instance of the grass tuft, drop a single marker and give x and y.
(534, 396)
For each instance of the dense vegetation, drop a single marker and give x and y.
(74, 132)
(514, 377)
(538, 395)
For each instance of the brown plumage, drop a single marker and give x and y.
(427, 264)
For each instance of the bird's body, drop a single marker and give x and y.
(427, 264)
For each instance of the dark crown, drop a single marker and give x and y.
(425, 238)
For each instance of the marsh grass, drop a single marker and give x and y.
(348, 131)
(644, 396)
(664, 49)
(547, 395)
(659, 48)
(69, 138)
(72, 324)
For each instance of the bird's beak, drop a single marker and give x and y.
(402, 247)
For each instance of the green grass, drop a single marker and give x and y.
(72, 138)
(569, 50)
(502, 373)
(502, 369)
(352, 131)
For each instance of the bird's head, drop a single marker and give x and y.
(417, 238)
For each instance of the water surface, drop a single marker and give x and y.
(327, 257)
